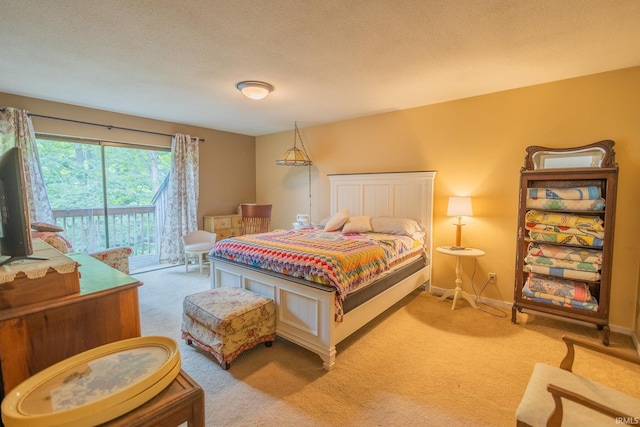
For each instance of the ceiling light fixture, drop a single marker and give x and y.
(254, 89)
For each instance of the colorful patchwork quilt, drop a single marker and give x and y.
(566, 204)
(576, 193)
(344, 261)
(559, 287)
(561, 263)
(565, 230)
(591, 305)
(593, 256)
(565, 220)
(591, 276)
(566, 238)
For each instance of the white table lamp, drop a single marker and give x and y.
(459, 207)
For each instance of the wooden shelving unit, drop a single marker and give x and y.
(591, 166)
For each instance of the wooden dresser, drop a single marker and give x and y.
(35, 335)
(223, 225)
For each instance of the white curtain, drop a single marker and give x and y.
(182, 206)
(16, 130)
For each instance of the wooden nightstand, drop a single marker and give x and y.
(223, 225)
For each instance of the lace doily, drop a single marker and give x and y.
(35, 269)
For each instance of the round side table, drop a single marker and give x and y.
(457, 292)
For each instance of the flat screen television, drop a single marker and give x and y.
(15, 229)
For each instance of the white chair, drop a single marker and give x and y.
(557, 396)
(197, 243)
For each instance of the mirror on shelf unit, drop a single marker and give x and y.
(596, 155)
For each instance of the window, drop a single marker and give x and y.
(106, 194)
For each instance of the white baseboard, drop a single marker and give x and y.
(507, 305)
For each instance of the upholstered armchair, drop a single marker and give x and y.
(58, 243)
(117, 258)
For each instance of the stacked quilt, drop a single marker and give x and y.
(561, 292)
(567, 228)
(566, 199)
(558, 275)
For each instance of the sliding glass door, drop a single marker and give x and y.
(106, 194)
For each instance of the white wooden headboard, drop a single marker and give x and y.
(395, 194)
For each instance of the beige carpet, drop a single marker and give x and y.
(419, 364)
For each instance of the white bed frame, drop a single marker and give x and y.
(305, 314)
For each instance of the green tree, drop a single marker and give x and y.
(73, 174)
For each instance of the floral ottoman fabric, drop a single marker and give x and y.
(227, 321)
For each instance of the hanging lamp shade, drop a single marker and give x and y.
(294, 156)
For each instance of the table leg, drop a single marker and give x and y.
(458, 292)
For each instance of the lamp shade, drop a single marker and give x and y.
(254, 89)
(294, 157)
(459, 206)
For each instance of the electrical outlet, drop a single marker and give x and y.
(492, 278)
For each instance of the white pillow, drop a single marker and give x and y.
(337, 220)
(389, 225)
(357, 224)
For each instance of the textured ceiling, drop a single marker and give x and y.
(329, 60)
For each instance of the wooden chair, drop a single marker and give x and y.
(557, 396)
(255, 218)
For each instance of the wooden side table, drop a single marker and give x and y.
(182, 401)
(457, 292)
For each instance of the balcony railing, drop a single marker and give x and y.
(136, 227)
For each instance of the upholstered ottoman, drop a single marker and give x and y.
(227, 321)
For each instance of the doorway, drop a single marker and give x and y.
(107, 194)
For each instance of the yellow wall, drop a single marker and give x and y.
(227, 160)
(477, 146)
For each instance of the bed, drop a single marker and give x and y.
(307, 312)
